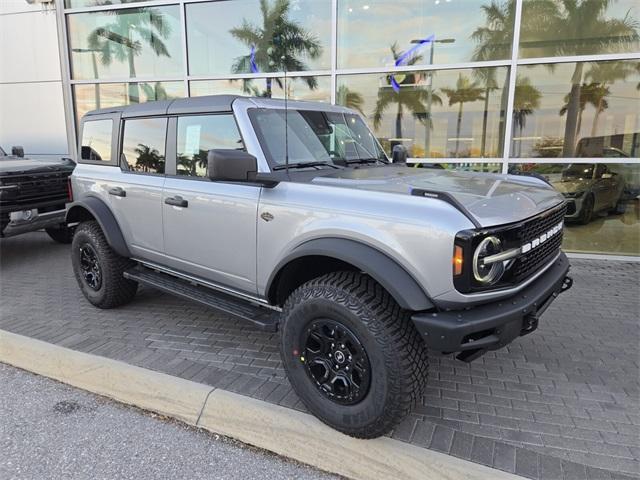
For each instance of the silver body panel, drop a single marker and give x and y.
(222, 238)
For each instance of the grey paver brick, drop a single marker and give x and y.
(504, 457)
(461, 445)
(442, 439)
(482, 450)
(526, 463)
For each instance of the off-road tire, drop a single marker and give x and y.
(114, 290)
(397, 354)
(61, 234)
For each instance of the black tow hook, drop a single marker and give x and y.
(567, 283)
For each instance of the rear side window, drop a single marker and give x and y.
(96, 140)
(143, 145)
(199, 134)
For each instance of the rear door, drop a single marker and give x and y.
(209, 227)
(135, 191)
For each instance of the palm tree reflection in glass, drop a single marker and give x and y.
(278, 45)
(466, 91)
(123, 39)
(403, 90)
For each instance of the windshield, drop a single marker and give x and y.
(578, 171)
(330, 138)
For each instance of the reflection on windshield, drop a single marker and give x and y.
(315, 136)
(577, 171)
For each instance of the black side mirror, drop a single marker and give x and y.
(399, 154)
(17, 151)
(231, 165)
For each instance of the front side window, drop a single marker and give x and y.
(199, 134)
(314, 136)
(96, 141)
(143, 145)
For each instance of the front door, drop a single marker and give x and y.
(135, 189)
(209, 227)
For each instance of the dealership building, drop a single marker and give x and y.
(543, 87)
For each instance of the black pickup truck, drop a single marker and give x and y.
(33, 194)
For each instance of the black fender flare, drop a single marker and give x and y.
(105, 218)
(383, 269)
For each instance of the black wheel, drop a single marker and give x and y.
(352, 354)
(98, 269)
(586, 214)
(61, 233)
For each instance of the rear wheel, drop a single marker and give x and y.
(61, 233)
(352, 354)
(99, 270)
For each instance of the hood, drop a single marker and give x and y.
(10, 165)
(571, 186)
(491, 199)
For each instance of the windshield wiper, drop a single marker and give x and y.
(305, 164)
(362, 160)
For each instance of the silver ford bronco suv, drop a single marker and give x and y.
(292, 217)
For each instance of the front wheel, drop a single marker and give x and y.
(352, 354)
(586, 214)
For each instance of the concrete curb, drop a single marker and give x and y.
(287, 432)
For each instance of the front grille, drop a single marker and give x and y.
(34, 188)
(529, 263)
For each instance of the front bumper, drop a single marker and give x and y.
(39, 221)
(491, 326)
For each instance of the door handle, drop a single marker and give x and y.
(176, 201)
(118, 192)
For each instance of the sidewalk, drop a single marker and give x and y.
(560, 403)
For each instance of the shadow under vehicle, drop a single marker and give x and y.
(589, 189)
(33, 194)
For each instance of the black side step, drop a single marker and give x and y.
(264, 318)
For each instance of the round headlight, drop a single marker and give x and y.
(487, 274)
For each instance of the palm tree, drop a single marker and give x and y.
(573, 18)
(350, 99)
(590, 94)
(154, 92)
(277, 45)
(525, 102)
(123, 39)
(494, 41)
(603, 74)
(409, 96)
(148, 158)
(466, 91)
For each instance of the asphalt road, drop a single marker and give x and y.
(51, 430)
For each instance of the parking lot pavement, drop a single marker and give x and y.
(51, 430)
(562, 402)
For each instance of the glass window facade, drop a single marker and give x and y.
(380, 33)
(603, 202)
(435, 114)
(311, 88)
(477, 85)
(578, 109)
(240, 36)
(125, 43)
(552, 28)
(102, 95)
